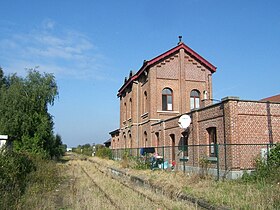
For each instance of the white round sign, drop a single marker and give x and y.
(184, 121)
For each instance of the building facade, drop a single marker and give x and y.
(179, 82)
(170, 84)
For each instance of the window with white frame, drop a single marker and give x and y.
(194, 99)
(167, 99)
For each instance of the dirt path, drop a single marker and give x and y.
(86, 187)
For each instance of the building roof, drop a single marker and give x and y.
(275, 98)
(108, 141)
(115, 132)
(159, 58)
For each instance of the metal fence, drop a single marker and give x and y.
(221, 160)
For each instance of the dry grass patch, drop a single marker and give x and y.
(236, 194)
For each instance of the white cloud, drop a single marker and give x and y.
(59, 51)
(48, 24)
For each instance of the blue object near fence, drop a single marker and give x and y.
(147, 150)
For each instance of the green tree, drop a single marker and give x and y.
(24, 111)
(2, 78)
(86, 146)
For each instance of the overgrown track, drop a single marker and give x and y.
(129, 196)
(122, 194)
(135, 190)
(101, 190)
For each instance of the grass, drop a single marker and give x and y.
(74, 190)
(41, 183)
(47, 187)
(236, 194)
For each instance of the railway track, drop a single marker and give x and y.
(118, 194)
(122, 195)
(101, 190)
(136, 190)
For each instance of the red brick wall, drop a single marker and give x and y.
(179, 72)
(236, 121)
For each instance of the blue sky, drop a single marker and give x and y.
(90, 46)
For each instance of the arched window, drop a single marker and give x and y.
(124, 140)
(167, 99)
(145, 102)
(124, 113)
(130, 108)
(184, 143)
(157, 139)
(145, 139)
(194, 99)
(130, 139)
(212, 136)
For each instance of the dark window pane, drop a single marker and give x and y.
(212, 141)
(164, 103)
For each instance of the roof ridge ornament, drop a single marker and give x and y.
(180, 40)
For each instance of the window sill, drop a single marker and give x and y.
(144, 115)
(168, 112)
(184, 159)
(212, 159)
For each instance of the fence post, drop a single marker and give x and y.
(218, 162)
(267, 150)
(225, 151)
(163, 158)
(184, 151)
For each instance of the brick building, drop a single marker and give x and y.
(178, 82)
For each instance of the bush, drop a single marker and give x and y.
(14, 170)
(140, 163)
(267, 170)
(103, 152)
(83, 149)
(273, 159)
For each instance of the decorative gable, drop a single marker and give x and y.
(163, 59)
(168, 68)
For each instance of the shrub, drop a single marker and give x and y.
(267, 170)
(140, 163)
(273, 159)
(14, 170)
(104, 152)
(83, 149)
(204, 167)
